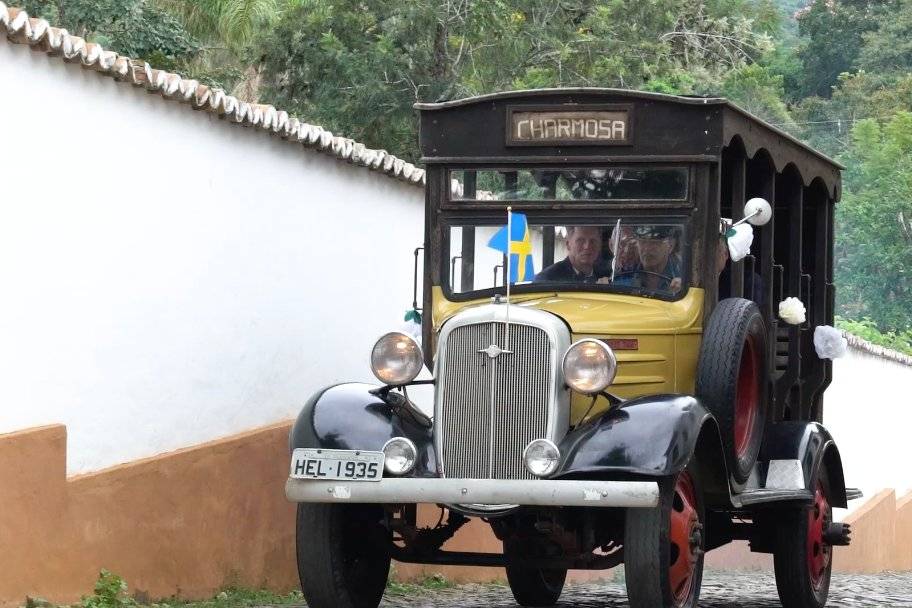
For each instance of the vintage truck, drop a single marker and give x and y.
(609, 388)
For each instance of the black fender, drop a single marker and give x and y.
(652, 436)
(812, 445)
(351, 417)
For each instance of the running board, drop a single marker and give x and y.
(754, 497)
(779, 480)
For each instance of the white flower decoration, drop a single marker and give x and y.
(792, 311)
(739, 243)
(829, 342)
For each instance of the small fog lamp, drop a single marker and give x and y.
(396, 359)
(589, 366)
(541, 457)
(399, 456)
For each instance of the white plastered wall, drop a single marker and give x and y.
(168, 278)
(868, 409)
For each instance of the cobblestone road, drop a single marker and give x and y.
(720, 590)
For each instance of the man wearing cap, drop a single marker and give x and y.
(582, 264)
(658, 268)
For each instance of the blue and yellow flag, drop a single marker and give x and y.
(520, 248)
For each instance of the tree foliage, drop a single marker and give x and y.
(136, 28)
(759, 91)
(227, 28)
(233, 22)
(833, 32)
(357, 66)
(867, 329)
(887, 49)
(874, 223)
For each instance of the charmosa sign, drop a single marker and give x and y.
(579, 126)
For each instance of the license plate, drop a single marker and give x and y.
(351, 465)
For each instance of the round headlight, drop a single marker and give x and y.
(399, 456)
(396, 359)
(541, 457)
(589, 366)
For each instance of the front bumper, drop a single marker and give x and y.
(533, 492)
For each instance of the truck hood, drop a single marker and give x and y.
(604, 314)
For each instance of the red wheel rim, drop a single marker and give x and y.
(685, 536)
(747, 397)
(819, 553)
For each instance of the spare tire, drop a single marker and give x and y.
(732, 382)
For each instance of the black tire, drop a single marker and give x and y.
(536, 586)
(343, 555)
(732, 379)
(803, 570)
(652, 547)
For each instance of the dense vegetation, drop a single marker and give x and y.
(836, 73)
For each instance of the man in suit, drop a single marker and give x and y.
(583, 263)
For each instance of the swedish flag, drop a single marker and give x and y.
(520, 247)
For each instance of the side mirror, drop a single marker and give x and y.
(758, 212)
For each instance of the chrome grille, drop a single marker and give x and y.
(491, 409)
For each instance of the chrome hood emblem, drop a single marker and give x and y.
(493, 351)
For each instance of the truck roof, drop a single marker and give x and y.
(689, 126)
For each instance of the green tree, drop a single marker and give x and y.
(206, 40)
(357, 66)
(868, 330)
(833, 32)
(887, 50)
(879, 87)
(790, 7)
(827, 124)
(760, 92)
(136, 28)
(874, 226)
(233, 22)
(227, 28)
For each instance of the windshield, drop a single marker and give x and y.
(608, 184)
(645, 257)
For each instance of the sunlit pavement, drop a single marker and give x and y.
(720, 590)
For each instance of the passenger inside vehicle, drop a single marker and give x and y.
(657, 266)
(646, 257)
(622, 248)
(584, 263)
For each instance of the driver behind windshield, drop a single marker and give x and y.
(583, 263)
(658, 267)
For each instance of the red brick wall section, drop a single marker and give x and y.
(185, 523)
(903, 538)
(874, 542)
(33, 532)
